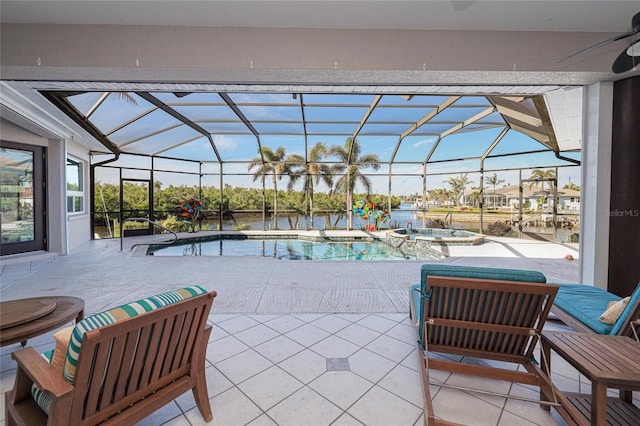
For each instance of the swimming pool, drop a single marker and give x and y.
(284, 249)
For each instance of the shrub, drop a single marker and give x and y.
(175, 224)
(242, 227)
(436, 223)
(500, 229)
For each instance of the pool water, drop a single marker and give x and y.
(286, 249)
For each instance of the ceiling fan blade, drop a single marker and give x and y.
(600, 44)
(628, 59)
(635, 22)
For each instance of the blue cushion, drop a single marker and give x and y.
(415, 298)
(482, 273)
(586, 304)
(624, 316)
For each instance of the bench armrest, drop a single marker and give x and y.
(37, 370)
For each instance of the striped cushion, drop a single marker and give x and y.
(43, 398)
(116, 314)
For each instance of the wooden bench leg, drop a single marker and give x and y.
(545, 366)
(626, 396)
(201, 396)
(200, 392)
(8, 399)
(598, 404)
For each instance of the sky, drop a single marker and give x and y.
(330, 118)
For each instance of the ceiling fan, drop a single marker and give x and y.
(628, 58)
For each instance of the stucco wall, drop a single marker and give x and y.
(78, 224)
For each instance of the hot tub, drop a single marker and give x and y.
(433, 236)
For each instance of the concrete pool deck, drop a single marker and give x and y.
(281, 325)
(251, 284)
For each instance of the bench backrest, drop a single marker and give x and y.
(117, 314)
(630, 313)
(502, 274)
(500, 317)
(127, 361)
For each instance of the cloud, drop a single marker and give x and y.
(224, 142)
(423, 142)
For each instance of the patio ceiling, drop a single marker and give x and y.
(402, 125)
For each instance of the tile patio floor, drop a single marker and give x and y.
(299, 342)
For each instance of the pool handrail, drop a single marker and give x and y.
(144, 219)
(450, 217)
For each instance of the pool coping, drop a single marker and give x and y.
(394, 238)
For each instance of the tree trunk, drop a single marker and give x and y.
(349, 209)
(311, 207)
(275, 202)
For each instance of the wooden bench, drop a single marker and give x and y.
(121, 365)
(487, 313)
(580, 306)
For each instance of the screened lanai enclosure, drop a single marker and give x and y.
(267, 156)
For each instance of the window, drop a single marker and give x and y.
(75, 194)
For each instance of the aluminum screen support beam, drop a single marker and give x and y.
(484, 156)
(307, 217)
(225, 97)
(554, 183)
(175, 114)
(366, 116)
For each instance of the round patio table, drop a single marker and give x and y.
(23, 319)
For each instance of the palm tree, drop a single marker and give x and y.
(274, 164)
(458, 185)
(312, 170)
(493, 181)
(441, 195)
(125, 96)
(572, 186)
(541, 176)
(352, 162)
(475, 196)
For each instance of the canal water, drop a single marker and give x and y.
(402, 217)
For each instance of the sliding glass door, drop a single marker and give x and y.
(22, 201)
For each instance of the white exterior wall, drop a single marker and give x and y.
(79, 224)
(56, 202)
(596, 185)
(565, 203)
